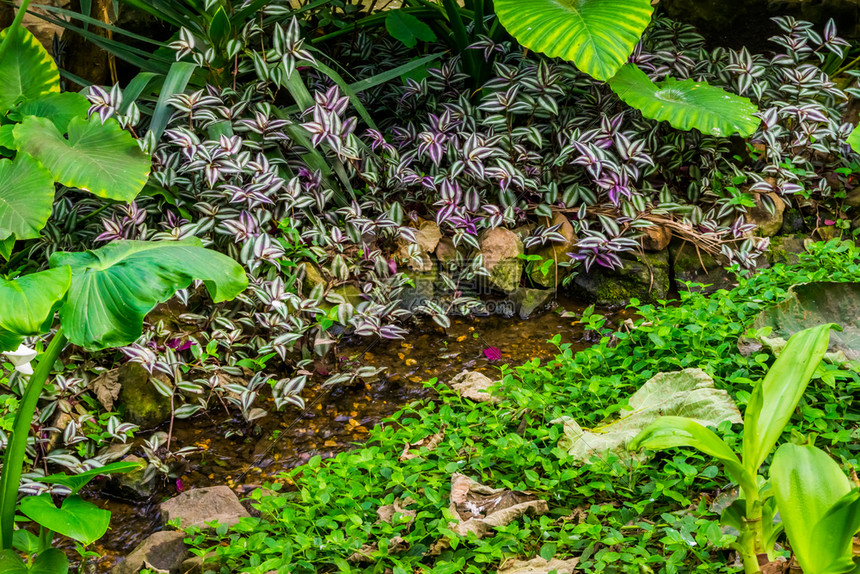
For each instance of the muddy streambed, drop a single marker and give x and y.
(336, 418)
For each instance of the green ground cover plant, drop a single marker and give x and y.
(616, 513)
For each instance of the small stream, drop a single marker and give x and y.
(336, 418)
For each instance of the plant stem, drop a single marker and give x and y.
(16, 451)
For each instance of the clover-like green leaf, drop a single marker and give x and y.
(27, 71)
(114, 287)
(27, 304)
(26, 197)
(686, 104)
(596, 35)
(100, 158)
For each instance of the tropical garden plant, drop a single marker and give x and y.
(771, 405)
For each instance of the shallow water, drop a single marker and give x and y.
(336, 418)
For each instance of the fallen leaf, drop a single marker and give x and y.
(106, 388)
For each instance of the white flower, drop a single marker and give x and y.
(21, 358)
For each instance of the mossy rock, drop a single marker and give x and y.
(786, 249)
(139, 401)
(532, 301)
(643, 277)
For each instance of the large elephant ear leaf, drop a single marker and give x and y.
(99, 158)
(27, 304)
(59, 108)
(26, 197)
(596, 35)
(686, 104)
(26, 69)
(854, 139)
(114, 287)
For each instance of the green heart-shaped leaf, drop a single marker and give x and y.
(596, 35)
(78, 519)
(114, 287)
(27, 304)
(99, 158)
(686, 104)
(407, 28)
(26, 197)
(27, 70)
(59, 108)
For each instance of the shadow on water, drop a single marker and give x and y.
(336, 418)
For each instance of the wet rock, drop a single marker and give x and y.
(501, 249)
(138, 400)
(532, 301)
(200, 506)
(698, 267)
(656, 238)
(134, 484)
(644, 277)
(538, 565)
(557, 252)
(792, 222)
(163, 550)
(767, 213)
(474, 385)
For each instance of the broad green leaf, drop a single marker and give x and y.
(100, 158)
(79, 520)
(59, 108)
(114, 287)
(407, 28)
(811, 304)
(596, 35)
(774, 399)
(854, 139)
(7, 136)
(26, 197)
(689, 393)
(686, 104)
(50, 561)
(820, 512)
(77, 481)
(673, 432)
(27, 304)
(27, 70)
(220, 29)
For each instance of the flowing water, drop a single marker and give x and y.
(336, 418)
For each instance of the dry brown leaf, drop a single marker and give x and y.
(538, 565)
(429, 442)
(106, 388)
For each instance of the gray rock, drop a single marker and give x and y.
(501, 249)
(200, 506)
(163, 550)
(643, 277)
(138, 399)
(531, 301)
(200, 564)
(698, 267)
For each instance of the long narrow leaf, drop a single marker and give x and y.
(175, 83)
(775, 398)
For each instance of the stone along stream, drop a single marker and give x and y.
(335, 418)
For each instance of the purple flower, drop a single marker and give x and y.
(493, 353)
